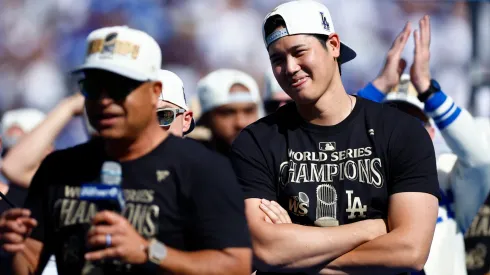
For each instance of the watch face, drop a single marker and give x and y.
(158, 250)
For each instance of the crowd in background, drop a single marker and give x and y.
(40, 41)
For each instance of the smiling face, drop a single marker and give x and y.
(303, 67)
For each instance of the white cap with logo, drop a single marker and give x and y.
(173, 92)
(214, 89)
(304, 17)
(124, 51)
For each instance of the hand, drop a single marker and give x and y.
(394, 65)
(76, 104)
(15, 225)
(274, 212)
(420, 70)
(126, 245)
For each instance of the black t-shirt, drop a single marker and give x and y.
(344, 172)
(477, 242)
(181, 193)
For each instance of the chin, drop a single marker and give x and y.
(111, 133)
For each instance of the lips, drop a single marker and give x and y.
(298, 81)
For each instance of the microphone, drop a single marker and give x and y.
(107, 195)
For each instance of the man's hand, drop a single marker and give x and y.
(394, 65)
(76, 103)
(420, 70)
(15, 225)
(274, 212)
(125, 243)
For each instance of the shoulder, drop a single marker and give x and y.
(194, 153)
(75, 154)
(390, 118)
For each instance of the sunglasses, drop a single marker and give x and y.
(167, 115)
(117, 88)
(272, 105)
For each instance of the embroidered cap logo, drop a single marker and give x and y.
(325, 23)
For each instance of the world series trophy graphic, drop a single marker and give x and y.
(326, 206)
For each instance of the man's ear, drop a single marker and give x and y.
(187, 121)
(333, 44)
(156, 91)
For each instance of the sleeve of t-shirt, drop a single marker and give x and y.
(412, 159)
(218, 206)
(37, 201)
(251, 168)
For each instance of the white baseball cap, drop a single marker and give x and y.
(124, 51)
(405, 93)
(173, 92)
(26, 119)
(305, 17)
(214, 89)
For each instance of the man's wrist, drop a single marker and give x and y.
(382, 85)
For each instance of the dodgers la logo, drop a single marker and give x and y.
(325, 23)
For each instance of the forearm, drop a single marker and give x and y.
(296, 247)
(207, 262)
(22, 161)
(388, 254)
(459, 130)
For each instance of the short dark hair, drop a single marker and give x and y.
(276, 21)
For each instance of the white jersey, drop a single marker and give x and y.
(464, 179)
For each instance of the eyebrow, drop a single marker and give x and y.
(293, 48)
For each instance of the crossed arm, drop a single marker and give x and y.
(348, 249)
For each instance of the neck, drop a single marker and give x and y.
(331, 108)
(130, 149)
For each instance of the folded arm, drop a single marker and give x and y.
(412, 217)
(294, 247)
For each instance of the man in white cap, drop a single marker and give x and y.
(321, 174)
(172, 111)
(16, 124)
(172, 202)
(229, 100)
(274, 97)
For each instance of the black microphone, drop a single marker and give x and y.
(107, 195)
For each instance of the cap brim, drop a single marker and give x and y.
(346, 53)
(193, 125)
(114, 69)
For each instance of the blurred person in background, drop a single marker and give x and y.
(273, 96)
(16, 124)
(464, 175)
(153, 232)
(230, 101)
(172, 110)
(333, 165)
(22, 161)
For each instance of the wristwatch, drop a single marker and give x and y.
(157, 251)
(433, 88)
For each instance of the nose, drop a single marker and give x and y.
(104, 98)
(292, 66)
(241, 122)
